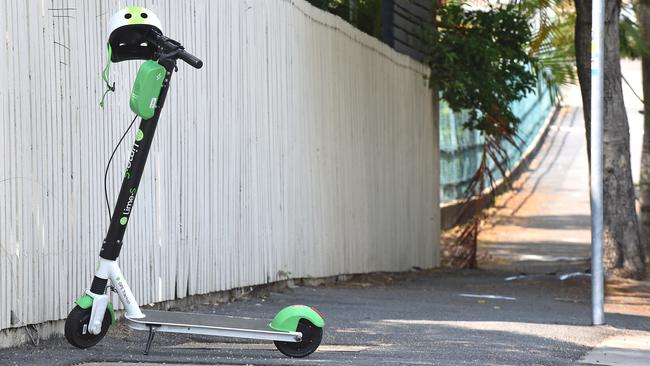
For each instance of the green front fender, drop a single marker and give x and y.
(287, 319)
(86, 302)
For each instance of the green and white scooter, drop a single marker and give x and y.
(136, 34)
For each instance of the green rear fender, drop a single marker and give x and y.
(86, 302)
(287, 319)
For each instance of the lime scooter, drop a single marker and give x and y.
(136, 34)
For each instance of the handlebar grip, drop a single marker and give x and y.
(190, 59)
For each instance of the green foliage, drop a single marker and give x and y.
(632, 43)
(553, 43)
(480, 63)
(484, 60)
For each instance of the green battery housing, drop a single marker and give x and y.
(146, 89)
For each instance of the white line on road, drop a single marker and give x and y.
(494, 297)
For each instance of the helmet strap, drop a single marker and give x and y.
(105, 76)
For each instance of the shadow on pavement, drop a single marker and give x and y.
(416, 318)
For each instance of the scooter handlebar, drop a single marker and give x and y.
(190, 59)
(169, 45)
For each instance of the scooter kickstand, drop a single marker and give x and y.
(152, 332)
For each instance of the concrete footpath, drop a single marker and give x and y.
(543, 223)
(542, 226)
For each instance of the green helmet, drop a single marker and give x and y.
(128, 30)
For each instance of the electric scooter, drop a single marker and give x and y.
(136, 34)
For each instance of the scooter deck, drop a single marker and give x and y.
(208, 324)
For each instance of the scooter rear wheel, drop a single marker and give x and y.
(311, 338)
(76, 328)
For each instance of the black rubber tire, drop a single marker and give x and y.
(311, 338)
(74, 326)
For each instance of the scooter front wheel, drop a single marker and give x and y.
(311, 338)
(76, 328)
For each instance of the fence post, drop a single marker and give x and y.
(387, 22)
(597, 70)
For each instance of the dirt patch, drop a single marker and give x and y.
(629, 297)
(380, 279)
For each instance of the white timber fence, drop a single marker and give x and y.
(303, 148)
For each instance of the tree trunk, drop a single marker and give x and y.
(643, 15)
(624, 254)
(583, 60)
